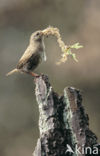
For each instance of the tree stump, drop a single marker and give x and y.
(63, 123)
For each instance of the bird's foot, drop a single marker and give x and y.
(41, 74)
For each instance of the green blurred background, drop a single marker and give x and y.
(78, 21)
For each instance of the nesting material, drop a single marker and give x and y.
(66, 50)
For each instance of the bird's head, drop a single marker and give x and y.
(37, 36)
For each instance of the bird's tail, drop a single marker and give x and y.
(11, 72)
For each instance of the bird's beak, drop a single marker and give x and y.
(44, 32)
(41, 33)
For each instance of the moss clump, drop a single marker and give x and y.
(66, 50)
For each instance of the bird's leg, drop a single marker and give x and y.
(33, 74)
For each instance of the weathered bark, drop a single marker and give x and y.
(62, 122)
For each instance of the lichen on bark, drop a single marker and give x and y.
(62, 121)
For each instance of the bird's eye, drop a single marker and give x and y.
(37, 33)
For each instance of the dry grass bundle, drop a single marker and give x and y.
(65, 49)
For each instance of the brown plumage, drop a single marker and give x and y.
(33, 55)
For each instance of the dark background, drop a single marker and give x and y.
(78, 21)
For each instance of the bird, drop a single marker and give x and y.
(33, 55)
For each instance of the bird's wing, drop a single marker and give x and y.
(27, 54)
